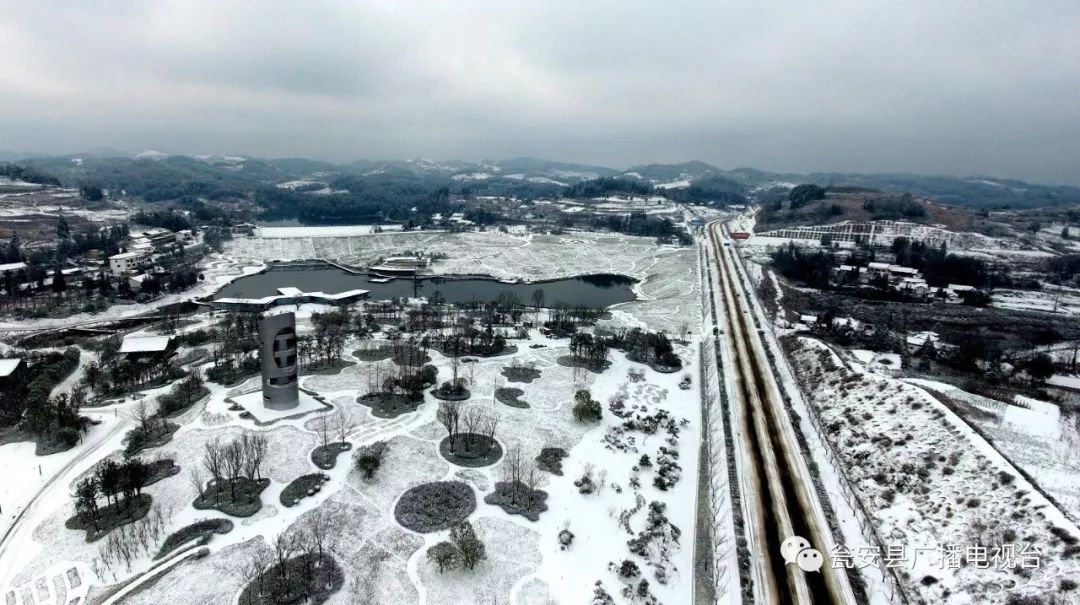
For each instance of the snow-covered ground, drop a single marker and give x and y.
(324, 231)
(385, 563)
(1052, 299)
(936, 487)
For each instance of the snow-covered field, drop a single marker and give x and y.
(1053, 299)
(384, 562)
(957, 512)
(324, 231)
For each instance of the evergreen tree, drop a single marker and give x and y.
(59, 284)
(13, 254)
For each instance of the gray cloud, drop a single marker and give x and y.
(964, 87)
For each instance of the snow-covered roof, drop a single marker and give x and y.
(808, 319)
(145, 344)
(7, 366)
(902, 269)
(139, 278)
(882, 266)
(292, 294)
(124, 255)
(12, 267)
(846, 268)
(961, 288)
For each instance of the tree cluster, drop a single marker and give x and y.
(798, 263)
(887, 208)
(120, 483)
(230, 465)
(463, 549)
(941, 268)
(465, 425)
(31, 389)
(27, 174)
(586, 409)
(802, 195)
(299, 568)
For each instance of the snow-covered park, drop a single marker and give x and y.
(621, 516)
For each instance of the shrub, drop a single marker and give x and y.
(550, 460)
(369, 458)
(445, 555)
(472, 549)
(586, 409)
(435, 506)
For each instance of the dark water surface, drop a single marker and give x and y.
(595, 291)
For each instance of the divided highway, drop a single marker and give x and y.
(779, 496)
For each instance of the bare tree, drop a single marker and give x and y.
(449, 415)
(343, 425)
(513, 468)
(285, 547)
(212, 458)
(472, 418)
(255, 447)
(145, 416)
(319, 531)
(322, 426)
(233, 459)
(195, 477)
(532, 477)
(252, 572)
(491, 424)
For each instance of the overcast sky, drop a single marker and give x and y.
(957, 86)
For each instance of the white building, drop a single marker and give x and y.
(121, 264)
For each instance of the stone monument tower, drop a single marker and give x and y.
(277, 354)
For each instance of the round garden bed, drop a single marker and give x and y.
(239, 499)
(471, 450)
(521, 373)
(511, 397)
(373, 354)
(435, 506)
(385, 405)
(461, 395)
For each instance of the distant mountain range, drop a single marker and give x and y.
(159, 176)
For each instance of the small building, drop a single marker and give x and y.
(878, 269)
(124, 263)
(136, 281)
(740, 235)
(902, 271)
(12, 371)
(147, 349)
(160, 238)
(290, 296)
(915, 286)
(13, 267)
(400, 265)
(808, 319)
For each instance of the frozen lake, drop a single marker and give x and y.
(595, 291)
